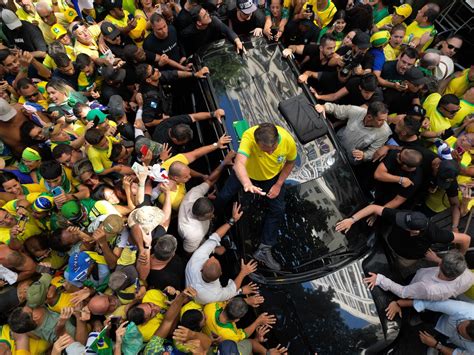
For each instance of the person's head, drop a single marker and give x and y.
(451, 45)
(6, 219)
(347, 41)
(30, 158)
(401, 13)
(105, 192)
(409, 159)
(26, 5)
(377, 114)
(119, 153)
(266, 137)
(406, 60)
(193, 319)
(466, 329)
(148, 74)
(179, 172)
(203, 209)
(111, 33)
(32, 133)
(413, 222)
(66, 155)
(52, 172)
(132, 53)
(327, 45)
(142, 312)
(9, 61)
(10, 183)
(60, 35)
(181, 134)
(96, 138)
(46, 13)
(165, 247)
(235, 309)
(159, 26)
(430, 61)
(81, 110)
(448, 105)
(23, 320)
(81, 33)
(28, 90)
(397, 33)
(101, 305)
(58, 91)
(38, 246)
(144, 4)
(275, 8)
(453, 264)
(360, 43)
(85, 173)
(339, 22)
(85, 64)
(245, 9)
(211, 270)
(408, 126)
(201, 17)
(428, 14)
(64, 63)
(368, 85)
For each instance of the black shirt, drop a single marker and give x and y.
(397, 101)
(171, 275)
(117, 49)
(156, 101)
(390, 73)
(183, 20)
(108, 91)
(161, 134)
(385, 192)
(131, 68)
(243, 27)
(354, 97)
(414, 247)
(28, 37)
(70, 79)
(314, 63)
(168, 46)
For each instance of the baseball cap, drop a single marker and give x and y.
(96, 114)
(447, 173)
(58, 31)
(10, 19)
(113, 224)
(109, 30)
(37, 291)
(380, 38)
(403, 10)
(415, 76)
(72, 211)
(415, 221)
(7, 112)
(246, 6)
(123, 278)
(115, 106)
(43, 203)
(416, 110)
(78, 266)
(148, 217)
(361, 40)
(110, 73)
(155, 147)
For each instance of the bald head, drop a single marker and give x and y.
(430, 60)
(98, 305)
(179, 172)
(211, 270)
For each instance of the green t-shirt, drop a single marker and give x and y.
(379, 14)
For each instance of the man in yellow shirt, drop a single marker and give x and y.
(121, 18)
(266, 157)
(86, 39)
(440, 110)
(421, 31)
(400, 14)
(320, 11)
(466, 108)
(100, 151)
(48, 19)
(460, 82)
(27, 12)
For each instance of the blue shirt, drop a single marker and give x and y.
(455, 312)
(379, 58)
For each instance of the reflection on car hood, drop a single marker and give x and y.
(334, 314)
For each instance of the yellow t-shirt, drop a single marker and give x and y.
(64, 300)
(51, 64)
(263, 166)
(325, 14)
(100, 158)
(416, 31)
(91, 50)
(72, 180)
(438, 122)
(178, 195)
(23, 15)
(226, 331)
(46, 29)
(466, 108)
(149, 328)
(459, 85)
(37, 346)
(390, 52)
(31, 228)
(123, 22)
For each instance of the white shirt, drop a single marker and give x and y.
(190, 229)
(426, 285)
(207, 292)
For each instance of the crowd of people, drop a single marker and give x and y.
(110, 243)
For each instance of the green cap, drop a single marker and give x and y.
(71, 210)
(96, 115)
(38, 290)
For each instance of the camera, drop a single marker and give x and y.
(350, 63)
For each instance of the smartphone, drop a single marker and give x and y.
(309, 8)
(137, 285)
(144, 150)
(57, 191)
(89, 19)
(130, 17)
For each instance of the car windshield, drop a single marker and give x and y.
(321, 188)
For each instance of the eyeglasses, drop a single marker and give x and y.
(451, 111)
(35, 94)
(450, 46)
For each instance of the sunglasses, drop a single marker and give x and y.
(450, 46)
(32, 95)
(451, 111)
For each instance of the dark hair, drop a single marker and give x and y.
(94, 136)
(142, 72)
(4, 54)
(412, 125)
(359, 17)
(432, 12)
(182, 132)
(192, 319)
(99, 192)
(448, 99)
(136, 315)
(398, 27)
(78, 108)
(81, 167)
(129, 52)
(25, 129)
(339, 15)
(369, 82)
(50, 169)
(202, 206)
(455, 35)
(194, 12)
(410, 53)
(61, 60)
(156, 18)
(326, 38)
(83, 60)
(266, 134)
(21, 322)
(413, 157)
(165, 247)
(56, 241)
(41, 240)
(116, 151)
(236, 309)
(6, 176)
(376, 108)
(61, 149)
(23, 83)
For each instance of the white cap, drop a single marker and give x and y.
(10, 19)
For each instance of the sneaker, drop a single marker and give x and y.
(264, 255)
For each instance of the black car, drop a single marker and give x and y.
(319, 298)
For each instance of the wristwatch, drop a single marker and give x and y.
(214, 144)
(231, 221)
(439, 346)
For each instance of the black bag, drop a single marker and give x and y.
(301, 115)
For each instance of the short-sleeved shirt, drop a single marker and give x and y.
(314, 63)
(459, 85)
(354, 97)
(325, 14)
(100, 158)
(378, 58)
(47, 329)
(414, 30)
(91, 50)
(191, 229)
(178, 195)
(465, 108)
(36, 346)
(168, 46)
(413, 247)
(226, 331)
(262, 166)
(390, 73)
(391, 53)
(149, 328)
(161, 132)
(437, 121)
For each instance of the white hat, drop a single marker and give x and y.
(148, 217)
(445, 68)
(7, 112)
(10, 19)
